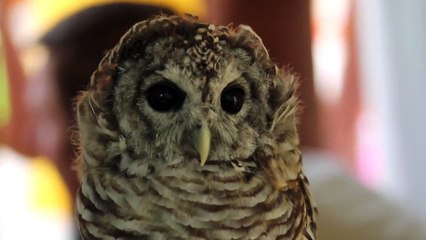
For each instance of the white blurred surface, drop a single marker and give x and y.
(19, 219)
(392, 43)
(350, 211)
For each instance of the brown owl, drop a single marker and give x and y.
(188, 131)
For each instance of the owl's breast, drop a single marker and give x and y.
(211, 202)
(219, 202)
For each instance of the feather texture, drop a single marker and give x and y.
(140, 178)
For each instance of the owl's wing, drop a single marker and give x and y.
(283, 156)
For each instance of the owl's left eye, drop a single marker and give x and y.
(232, 99)
(164, 97)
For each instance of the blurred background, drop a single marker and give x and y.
(362, 65)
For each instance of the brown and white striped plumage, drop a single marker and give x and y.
(141, 176)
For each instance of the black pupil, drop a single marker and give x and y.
(232, 99)
(164, 97)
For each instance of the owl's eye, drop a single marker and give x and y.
(232, 99)
(164, 97)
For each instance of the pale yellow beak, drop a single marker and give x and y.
(202, 142)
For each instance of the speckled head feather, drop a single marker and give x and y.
(221, 160)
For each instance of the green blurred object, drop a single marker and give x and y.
(4, 88)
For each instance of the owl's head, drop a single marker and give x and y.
(177, 88)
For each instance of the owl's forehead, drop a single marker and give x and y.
(206, 49)
(204, 52)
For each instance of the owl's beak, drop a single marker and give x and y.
(202, 142)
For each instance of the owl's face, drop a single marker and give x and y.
(170, 104)
(178, 90)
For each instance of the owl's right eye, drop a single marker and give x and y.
(164, 97)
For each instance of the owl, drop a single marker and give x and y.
(188, 131)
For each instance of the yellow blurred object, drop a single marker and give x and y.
(5, 111)
(47, 191)
(51, 13)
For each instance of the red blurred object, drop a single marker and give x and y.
(16, 133)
